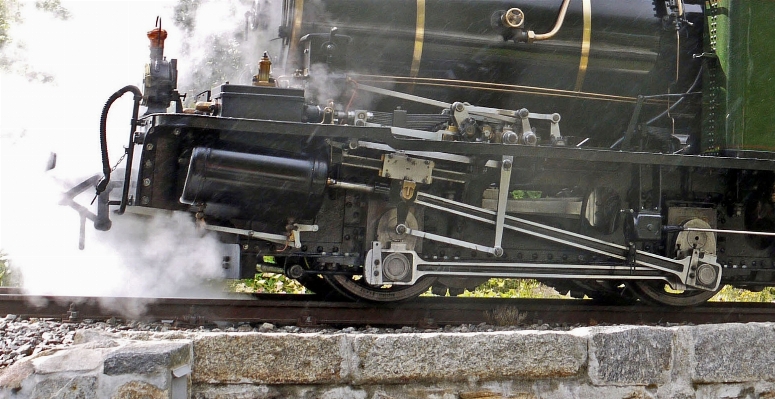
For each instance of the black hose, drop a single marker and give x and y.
(680, 100)
(103, 183)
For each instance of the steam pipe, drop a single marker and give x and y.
(106, 169)
(557, 25)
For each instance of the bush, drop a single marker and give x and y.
(731, 294)
(269, 283)
(512, 288)
(4, 269)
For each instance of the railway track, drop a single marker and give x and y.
(424, 312)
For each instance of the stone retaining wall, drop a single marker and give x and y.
(714, 361)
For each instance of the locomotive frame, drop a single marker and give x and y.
(665, 198)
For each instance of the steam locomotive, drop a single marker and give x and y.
(619, 150)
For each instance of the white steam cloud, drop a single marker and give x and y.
(224, 45)
(101, 48)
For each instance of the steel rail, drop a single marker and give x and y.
(424, 312)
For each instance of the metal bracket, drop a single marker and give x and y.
(297, 229)
(554, 131)
(523, 115)
(371, 265)
(460, 113)
(632, 254)
(101, 219)
(407, 168)
(703, 271)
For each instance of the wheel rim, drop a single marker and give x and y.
(606, 292)
(357, 289)
(659, 293)
(318, 285)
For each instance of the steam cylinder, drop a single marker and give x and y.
(606, 53)
(255, 186)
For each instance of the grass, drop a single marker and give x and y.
(493, 288)
(268, 283)
(5, 272)
(512, 288)
(731, 294)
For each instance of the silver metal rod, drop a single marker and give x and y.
(503, 196)
(746, 232)
(350, 186)
(496, 265)
(506, 274)
(360, 165)
(448, 240)
(454, 212)
(262, 268)
(276, 238)
(403, 96)
(612, 250)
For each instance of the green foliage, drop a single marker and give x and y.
(184, 14)
(4, 269)
(274, 283)
(54, 7)
(522, 194)
(512, 288)
(9, 14)
(731, 294)
(13, 54)
(269, 283)
(222, 62)
(222, 58)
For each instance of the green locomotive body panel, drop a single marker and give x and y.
(740, 106)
